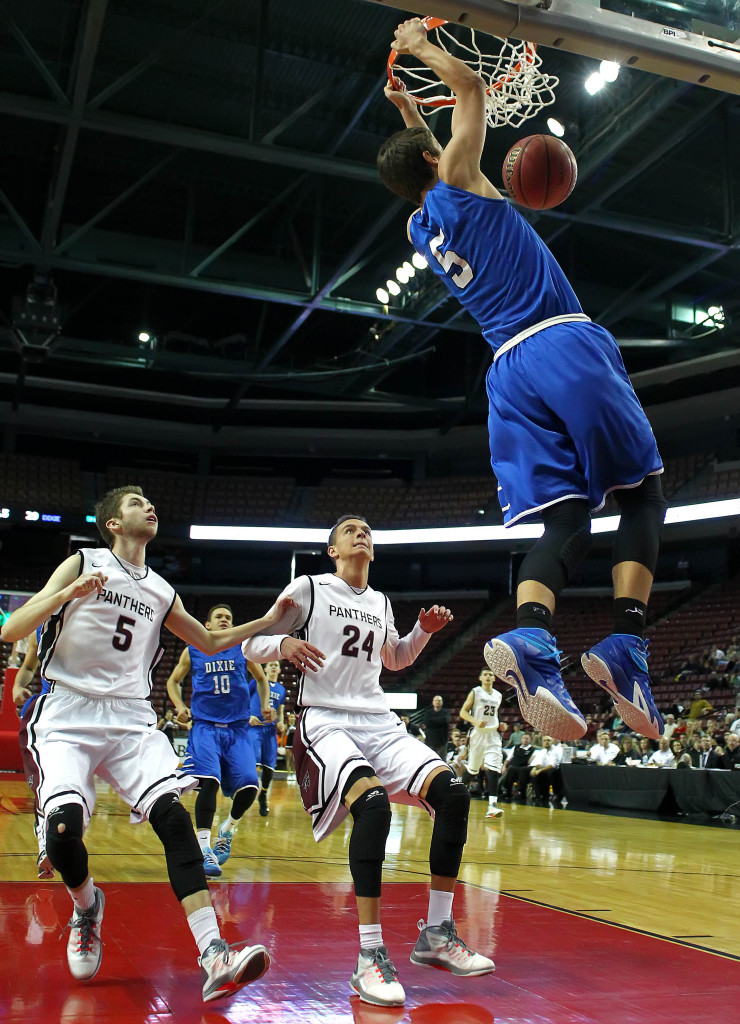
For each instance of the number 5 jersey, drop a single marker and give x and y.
(355, 631)
(108, 644)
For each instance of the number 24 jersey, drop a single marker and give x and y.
(354, 629)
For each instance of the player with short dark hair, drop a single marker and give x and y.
(348, 739)
(566, 428)
(100, 646)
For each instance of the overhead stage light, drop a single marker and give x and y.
(419, 262)
(392, 287)
(401, 276)
(555, 127)
(609, 70)
(594, 83)
(383, 296)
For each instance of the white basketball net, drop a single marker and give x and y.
(516, 88)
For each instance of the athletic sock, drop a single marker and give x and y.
(204, 926)
(371, 936)
(204, 837)
(228, 824)
(533, 615)
(492, 801)
(630, 616)
(440, 906)
(84, 897)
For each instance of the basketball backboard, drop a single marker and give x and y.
(691, 40)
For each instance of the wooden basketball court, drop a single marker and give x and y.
(591, 919)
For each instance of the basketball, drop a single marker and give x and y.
(539, 172)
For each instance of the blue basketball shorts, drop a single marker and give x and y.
(264, 738)
(564, 422)
(222, 752)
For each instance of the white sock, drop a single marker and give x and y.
(204, 926)
(204, 837)
(371, 936)
(228, 824)
(84, 897)
(492, 801)
(440, 906)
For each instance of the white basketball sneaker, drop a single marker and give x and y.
(494, 811)
(85, 947)
(226, 970)
(440, 946)
(375, 979)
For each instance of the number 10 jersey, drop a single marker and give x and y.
(108, 644)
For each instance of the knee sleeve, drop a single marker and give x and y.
(564, 544)
(173, 826)
(450, 800)
(64, 846)
(642, 511)
(492, 781)
(372, 821)
(267, 774)
(205, 803)
(243, 800)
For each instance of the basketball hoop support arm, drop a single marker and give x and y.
(590, 31)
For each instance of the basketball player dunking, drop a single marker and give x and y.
(99, 649)
(565, 425)
(352, 753)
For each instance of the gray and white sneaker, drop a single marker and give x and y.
(85, 947)
(226, 970)
(440, 946)
(375, 979)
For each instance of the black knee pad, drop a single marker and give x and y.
(492, 781)
(372, 821)
(173, 826)
(243, 800)
(642, 511)
(205, 802)
(450, 800)
(65, 849)
(564, 544)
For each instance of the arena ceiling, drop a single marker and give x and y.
(204, 172)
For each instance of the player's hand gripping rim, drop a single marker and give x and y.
(303, 655)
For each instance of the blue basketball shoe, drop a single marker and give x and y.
(619, 666)
(222, 846)
(211, 866)
(528, 660)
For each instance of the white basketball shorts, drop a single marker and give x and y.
(485, 748)
(329, 745)
(72, 737)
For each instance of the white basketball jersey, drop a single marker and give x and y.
(486, 705)
(107, 644)
(355, 630)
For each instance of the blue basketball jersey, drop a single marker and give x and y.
(277, 698)
(222, 689)
(491, 260)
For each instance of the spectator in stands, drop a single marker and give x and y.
(669, 726)
(168, 726)
(413, 729)
(699, 751)
(729, 755)
(735, 724)
(603, 751)
(676, 748)
(629, 753)
(437, 727)
(646, 749)
(536, 739)
(516, 770)
(458, 754)
(700, 706)
(592, 728)
(516, 734)
(663, 756)
(545, 772)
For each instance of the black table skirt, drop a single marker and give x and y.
(660, 790)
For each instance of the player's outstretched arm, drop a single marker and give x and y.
(406, 107)
(174, 687)
(65, 584)
(188, 629)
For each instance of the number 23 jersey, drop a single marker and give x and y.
(108, 644)
(356, 632)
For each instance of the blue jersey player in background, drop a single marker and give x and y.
(220, 750)
(265, 734)
(565, 426)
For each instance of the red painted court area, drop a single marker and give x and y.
(552, 967)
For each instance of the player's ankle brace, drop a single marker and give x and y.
(372, 822)
(564, 544)
(205, 802)
(450, 800)
(65, 849)
(173, 826)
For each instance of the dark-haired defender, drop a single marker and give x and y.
(353, 754)
(565, 425)
(220, 750)
(105, 609)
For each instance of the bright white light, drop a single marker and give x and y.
(714, 310)
(452, 534)
(409, 269)
(392, 287)
(401, 275)
(555, 127)
(383, 296)
(609, 70)
(144, 336)
(419, 262)
(594, 83)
